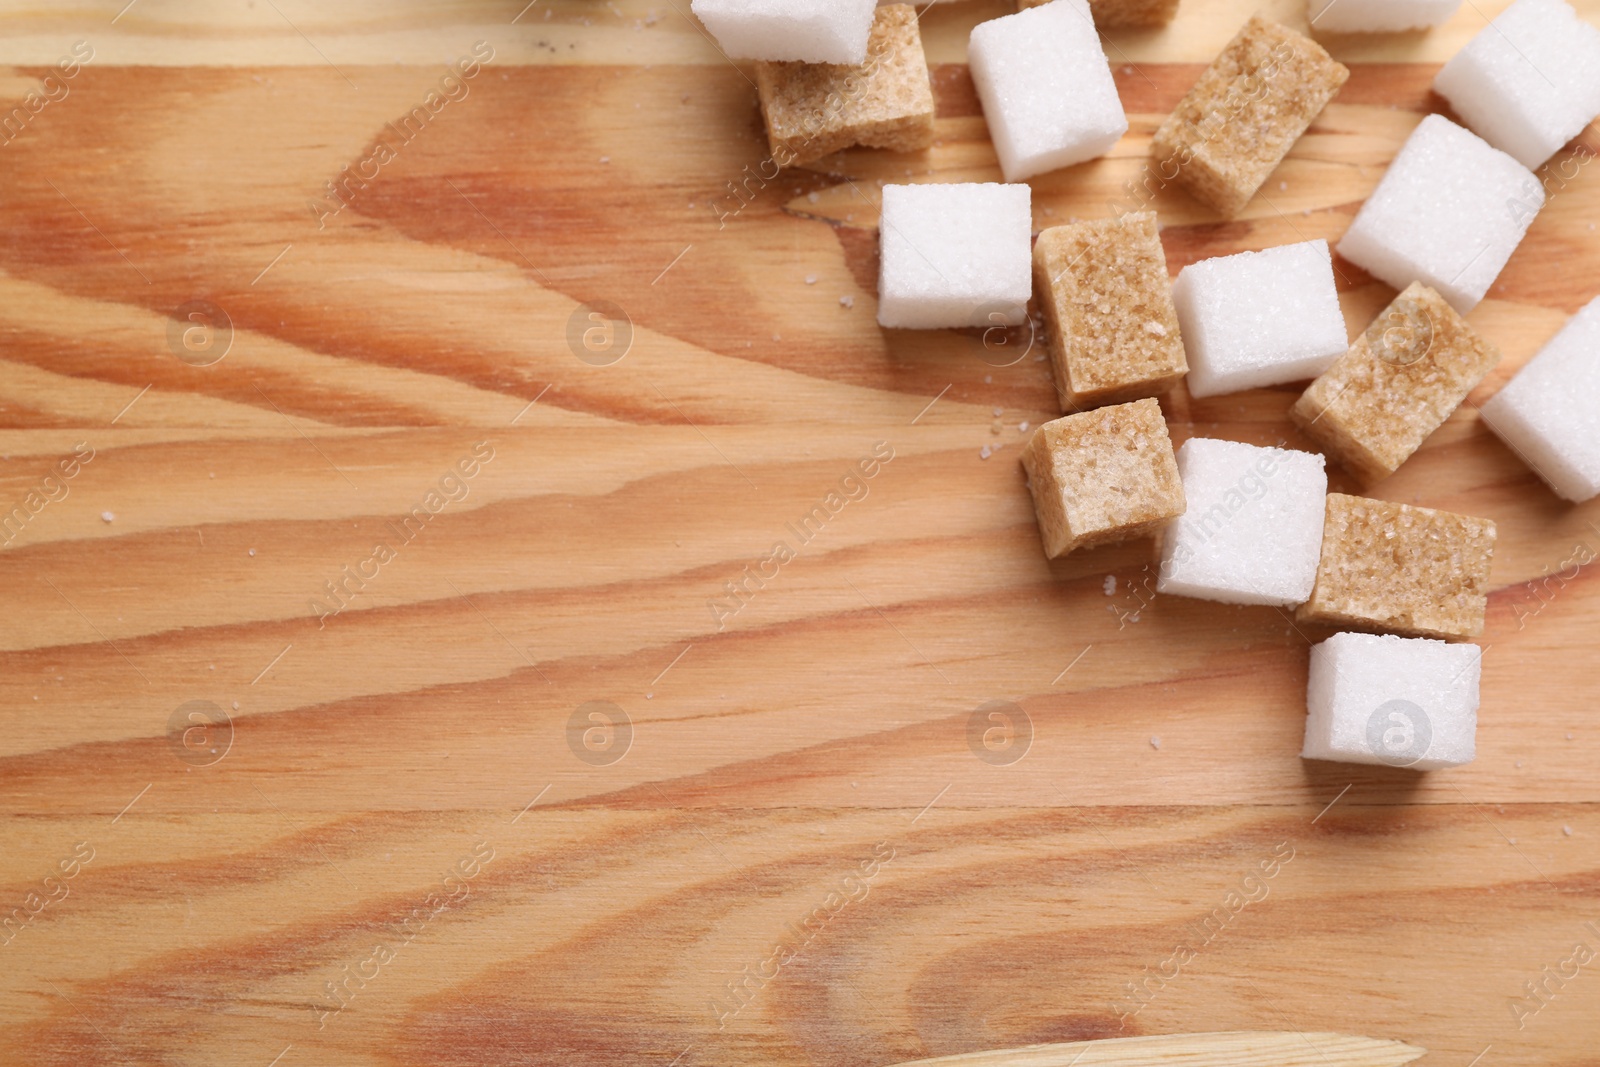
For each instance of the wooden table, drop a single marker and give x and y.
(533, 783)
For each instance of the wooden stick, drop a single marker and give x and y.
(1237, 1048)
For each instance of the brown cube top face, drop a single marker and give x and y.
(1406, 570)
(1103, 476)
(1398, 383)
(1113, 331)
(1123, 14)
(1245, 113)
(814, 109)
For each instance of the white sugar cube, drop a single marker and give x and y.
(1550, 412)
(1252, 533)
(1259, 318)
(811, 31)
(1046, 88)
(1449, 212)
(1529, 81)
(1378, 16)
(1399, 701)
(955, 255)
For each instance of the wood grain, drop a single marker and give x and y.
(794, 796)
(1239, 1049)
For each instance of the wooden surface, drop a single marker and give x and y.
(1237, 1048)
(812, 758)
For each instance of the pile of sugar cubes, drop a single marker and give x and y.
(1237, 523)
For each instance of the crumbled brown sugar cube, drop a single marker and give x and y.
(1401, 379)
(1113, 332)
(1103, 476)
(1244, 114)
(1411, 571)
(1123, 14)
(814, 109)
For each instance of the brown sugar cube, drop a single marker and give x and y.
(1410, 571)
(814, 109)
(1102, 476)
(1245, 113)
(1402, 378)
(1106, 295)
(1123, 14)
